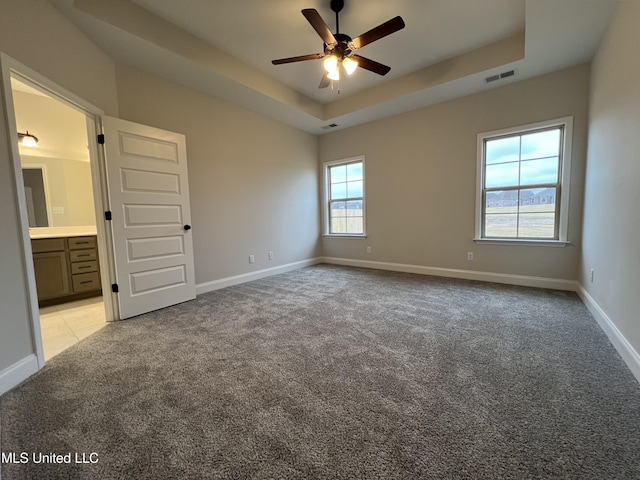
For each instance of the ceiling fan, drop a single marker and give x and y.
(338, 48)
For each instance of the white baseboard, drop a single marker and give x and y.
(249, 277)
(522, 280)
(617, 339)
(18, 373)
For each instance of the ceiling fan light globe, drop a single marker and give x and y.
(330, 63)
(335, 75)
(349, 65)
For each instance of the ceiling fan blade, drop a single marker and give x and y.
(371, 65)
(301, 58)
(387, 28)
(325, 82)
(316, 21)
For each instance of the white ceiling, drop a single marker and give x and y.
(225, 47)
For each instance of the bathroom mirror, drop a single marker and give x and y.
(36, 197)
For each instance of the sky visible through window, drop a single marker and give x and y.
(530, 159)
(346, 181)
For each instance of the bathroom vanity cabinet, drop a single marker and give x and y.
(66, 268)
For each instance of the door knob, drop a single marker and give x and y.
(187, 227)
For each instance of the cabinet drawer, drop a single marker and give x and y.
(84, 282)
(47, 245)
(76, 243)
(83, 255)
(84, 267)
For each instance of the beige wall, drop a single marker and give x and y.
(611, 221)
(79, 193)
(35, 34)
(252, 180)
(39, 36)
(421, 178)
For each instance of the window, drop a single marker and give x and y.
(523, 185)
(344, 197)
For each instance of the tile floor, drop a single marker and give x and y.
(66, 324)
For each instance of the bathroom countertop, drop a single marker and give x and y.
(57, 232)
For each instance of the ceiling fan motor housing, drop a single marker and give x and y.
(342, 49)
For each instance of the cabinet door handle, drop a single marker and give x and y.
(187, 228)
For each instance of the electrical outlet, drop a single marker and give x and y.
(469, 255)
(368, 249)
(592, 275)
(252, 258)
(270, 255)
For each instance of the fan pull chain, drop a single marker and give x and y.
(333, 82)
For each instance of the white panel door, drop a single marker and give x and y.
(149, 195)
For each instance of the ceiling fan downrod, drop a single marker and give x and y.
(337, 6)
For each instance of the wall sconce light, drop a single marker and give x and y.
(27, 139)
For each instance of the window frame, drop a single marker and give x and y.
(326, 199)
(563, 185)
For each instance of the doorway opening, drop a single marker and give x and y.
(139, 251)
(60, 203)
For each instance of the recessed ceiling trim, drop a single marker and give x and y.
(149, 27)
(503, 52)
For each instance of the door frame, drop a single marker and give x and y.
(11, 67)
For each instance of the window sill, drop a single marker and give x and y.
(333, 235)
(529, 242)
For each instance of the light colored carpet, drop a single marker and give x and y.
(335, 372)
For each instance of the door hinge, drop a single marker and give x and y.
(107, 215)
(114, 288)
(101, 139)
